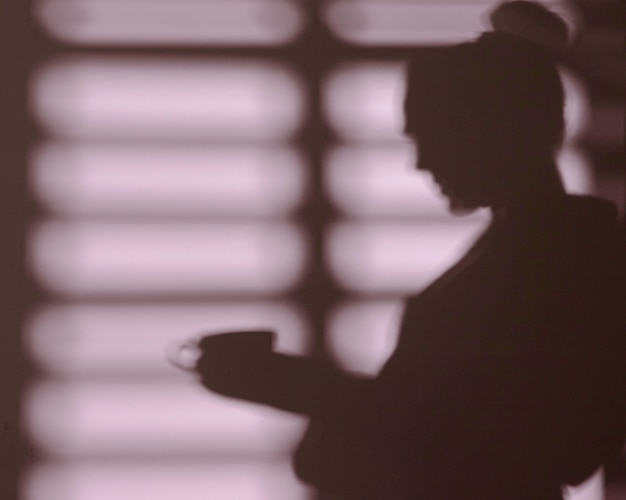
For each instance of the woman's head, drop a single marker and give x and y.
(487, 116)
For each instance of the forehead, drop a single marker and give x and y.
(421, 113)
(413, 111)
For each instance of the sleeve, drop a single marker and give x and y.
(302, 385)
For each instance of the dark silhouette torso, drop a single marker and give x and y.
(496, 388)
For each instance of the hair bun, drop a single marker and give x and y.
(530, 22)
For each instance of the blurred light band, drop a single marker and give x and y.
(361, 334)
(90, 258)
(92, 179)
(206, 480)
(396, 258)
(393, 22)
(363, 102)
(167, 99)
(578, 107)
(172, 23)
(576, 171)
(71, 418)
(134, 338)
(403, 23)
(383, 182)
(380, 181)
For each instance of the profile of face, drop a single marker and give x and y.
(486, 118)
(458, 163)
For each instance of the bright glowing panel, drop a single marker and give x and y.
(371, 181)
(363, 101)
(88, 339)
(183, 22)
(382, 181)
(397, 257)
(400, 23)
(202, 480)
(109, 418)
(577, 109)
(88, 179)
(576, 172)
(84, 258)
(362, 334)
(389, 22)
(194, 99)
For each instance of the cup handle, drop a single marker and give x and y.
(184, 355)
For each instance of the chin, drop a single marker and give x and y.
(460, 208)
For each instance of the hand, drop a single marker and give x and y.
(235, 364)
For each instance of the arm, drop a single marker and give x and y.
(296, 384)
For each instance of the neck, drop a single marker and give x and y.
(534, 195)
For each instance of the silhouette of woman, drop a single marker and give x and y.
(507, 379)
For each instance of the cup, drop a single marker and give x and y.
(239, 341)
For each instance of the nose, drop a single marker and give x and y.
(422, 164)
(416, 160)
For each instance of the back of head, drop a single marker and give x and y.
(502, 86)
